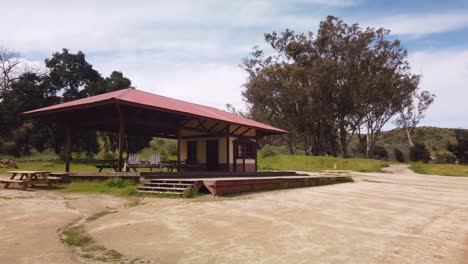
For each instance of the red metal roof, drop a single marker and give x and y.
(141, 98)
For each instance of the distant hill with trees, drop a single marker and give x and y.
(443, 145)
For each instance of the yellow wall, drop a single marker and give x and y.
(201, 149)
(183, 149)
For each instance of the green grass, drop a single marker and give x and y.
(58, 166)
(100, 214)
(314, 163)
(76, 236)
(99, 187)
(113, 255)
(440, 169)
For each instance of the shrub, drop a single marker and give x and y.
(444, 157)
(10, 148)
(189, 193)
(164, 155)
(398, 155)
(419, 152)
(118, 182)
(108, 155)
(380, 153)
(267, 151)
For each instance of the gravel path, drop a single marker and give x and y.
(395, 217)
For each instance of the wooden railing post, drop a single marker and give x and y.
(228, 152)
(121, 138)
(178, 151)
(67, 148)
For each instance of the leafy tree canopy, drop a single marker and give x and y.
(326, 87)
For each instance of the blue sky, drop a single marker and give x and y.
(191, 50)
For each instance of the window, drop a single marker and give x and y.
(249, 151)
(248, 148)
(192, 151)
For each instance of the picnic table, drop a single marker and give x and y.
(108, 164)
(28, 178)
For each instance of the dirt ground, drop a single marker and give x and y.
(398, 217)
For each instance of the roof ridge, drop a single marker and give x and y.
(125, 91)
(122, 93)
(171, 98)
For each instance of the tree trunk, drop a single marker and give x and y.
(344, 143)
(408, 135)
(291, 148)
(368, 142)
(307, 146)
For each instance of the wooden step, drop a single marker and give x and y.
(182, 185)
(161, 188)
(167, 186)
(171, 181)
(157, 192)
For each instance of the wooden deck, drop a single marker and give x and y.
(236, 183)
(217, 183)
(214, 174)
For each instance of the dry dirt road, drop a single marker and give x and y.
(381, 218)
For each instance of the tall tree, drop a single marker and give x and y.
(28, 91)
(9, 69)
(389, 84)
(413, 112)
(71, 75)
(329, 86)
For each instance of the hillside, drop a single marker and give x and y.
(436, 139)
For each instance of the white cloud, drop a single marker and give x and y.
(445, 73)
(203, 83)
(422, 24)
(191, 49)
(337, 3)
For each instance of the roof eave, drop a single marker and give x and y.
(39, 112)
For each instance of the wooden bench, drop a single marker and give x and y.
(28, 178)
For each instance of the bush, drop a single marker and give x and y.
(189, 193)
(419, 152)
(445, 157)
(108, 155)
(118, 183)
(10, 148)
(267, 151)
(380, 153)
(164, 155)
(398, 155)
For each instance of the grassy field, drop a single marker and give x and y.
(312, 163)
(440, 169)
(58, 166)
(99, 187)
(276, 162)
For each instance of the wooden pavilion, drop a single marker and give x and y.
(208, 138)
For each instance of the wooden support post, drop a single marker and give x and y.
(243, 157)
(67, 148)
(178, 151)
(228, 152)
(234, 156)
(121, 139)
(255, 149)
(121, 144)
